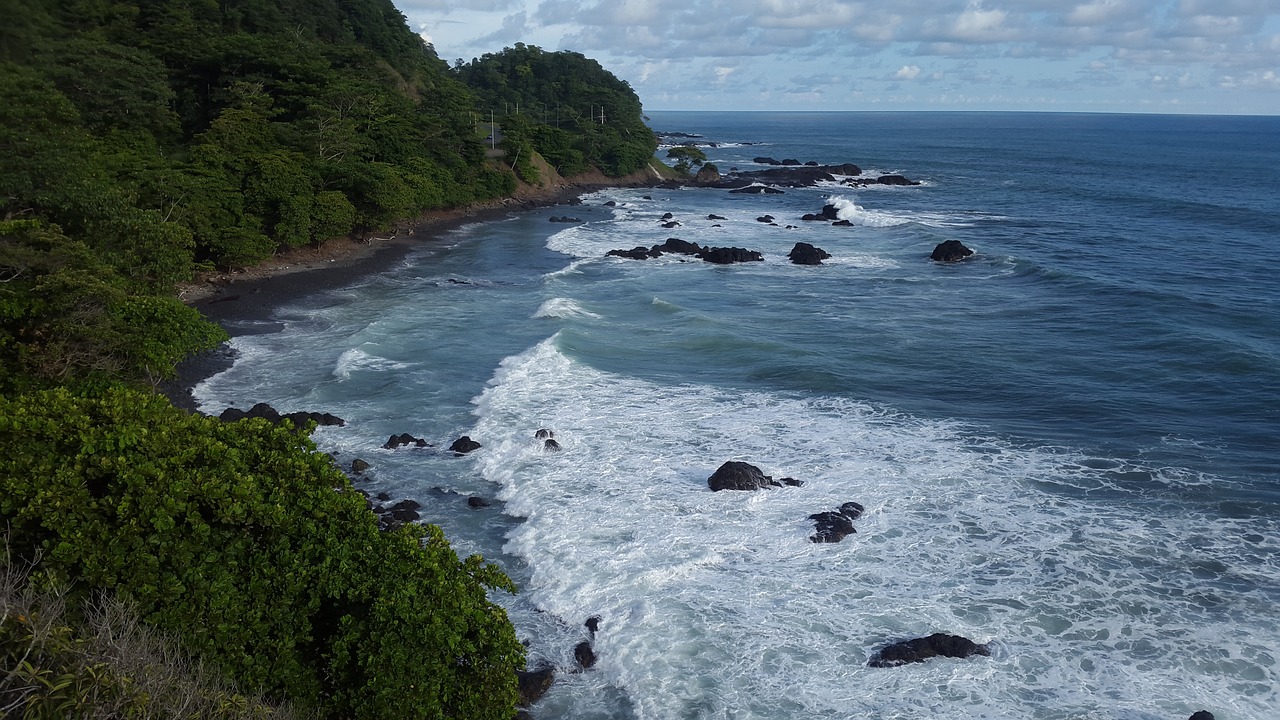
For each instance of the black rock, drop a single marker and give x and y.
(359, 466)
(765, 161)
(384, 496)
(829, 212)
(464, 445)
(677, 246)
(806, 254)
(667, 216)
(396, 441)
(611, 203)
(534, 684)
(1201, 715)
(585, 656)
(852, 510)
(812, 163)
(271, 415)
(950, 251)
(790, 161)
(565, 219)
(544, 434)
(830, 527)
(734, 475)
(593, 624)
(672, 224)
(477, 502)
(921, 649)
(403, 511)
(636, 253)
(895, 180)
(713, 216)
(790, 482)
(765, 219)
(726, 256)
(551, 445)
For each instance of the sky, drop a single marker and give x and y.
(1140, 56)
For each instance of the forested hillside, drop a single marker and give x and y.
(566, 106)
(142, 141)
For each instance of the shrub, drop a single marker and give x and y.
(251, 548)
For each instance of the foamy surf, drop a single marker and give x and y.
(717, 605)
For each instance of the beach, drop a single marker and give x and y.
(242, 301)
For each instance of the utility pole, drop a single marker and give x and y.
(493, 140)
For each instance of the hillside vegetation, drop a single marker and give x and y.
(142, 141)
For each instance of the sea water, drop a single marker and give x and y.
(1068, 445)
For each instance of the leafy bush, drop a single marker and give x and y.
(252, 549)
(97, 660)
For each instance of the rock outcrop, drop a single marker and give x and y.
(828, 213)
(533, 684)
(728, 256)
(950, 251)
(271, 415)
(735, 475)
(921, 649)
(834, 526)
(806, 254)
(403, 439)
(464, 445)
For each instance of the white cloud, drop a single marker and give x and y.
(907, 72)
(673, 48)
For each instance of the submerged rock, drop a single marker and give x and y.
(921, 649)
(271, 415)
(636, 253)
(806, 254)
(402, 439)
(585, 656)
(834, 526)
(727, 256)
(950, 251)
(678, 247)
(828, 212)
(551, 445)
(734, 475)
(533, 684)
(464, 445)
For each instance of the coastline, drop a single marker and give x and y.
(242, 302)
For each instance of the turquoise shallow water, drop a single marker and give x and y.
(1066, 444)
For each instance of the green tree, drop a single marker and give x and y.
(688, 158)
(248, 545)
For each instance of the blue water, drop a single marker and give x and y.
(1067, 444)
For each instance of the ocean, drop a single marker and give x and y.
(1067, 445)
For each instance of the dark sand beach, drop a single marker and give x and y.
(242, 302)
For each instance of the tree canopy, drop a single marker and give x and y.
(565, 105)
(143, 141)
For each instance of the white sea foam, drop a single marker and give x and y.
(716, 605)
(848, 209)
(563, 308)
(357, 360)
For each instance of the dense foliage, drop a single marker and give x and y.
(566, 106)
(187, 130)
(142, 141)
(97, 660)
(256, 552)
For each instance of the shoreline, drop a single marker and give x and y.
(238, 300)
